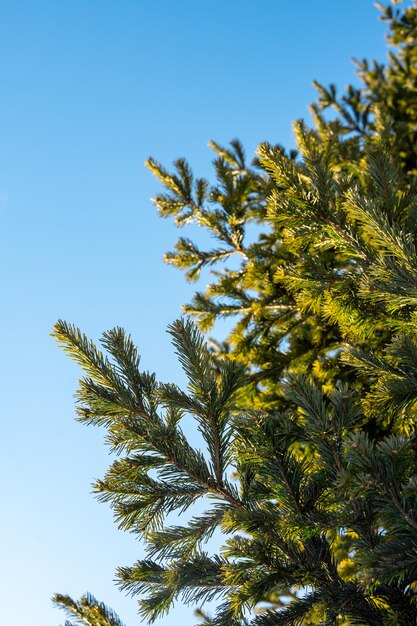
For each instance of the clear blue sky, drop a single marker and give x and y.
(89, 90)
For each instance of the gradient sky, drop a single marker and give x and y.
(90, 89)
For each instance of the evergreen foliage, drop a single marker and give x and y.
(87, 611)
(307, 413)
(278, 286)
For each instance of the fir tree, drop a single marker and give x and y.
(305, 499)
(275, 328)
(308, 412)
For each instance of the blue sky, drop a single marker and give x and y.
(89, 90)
